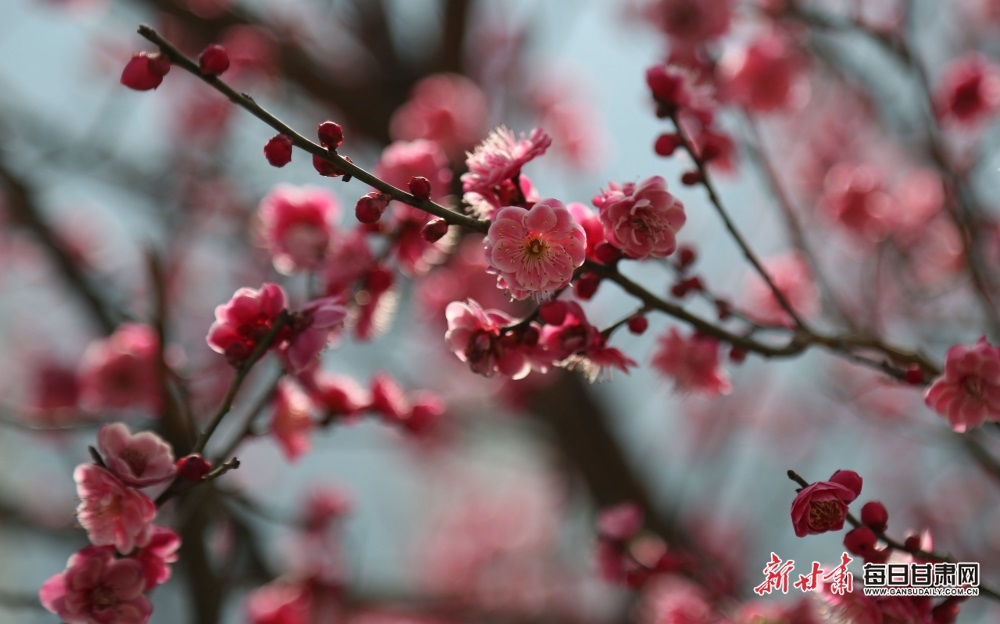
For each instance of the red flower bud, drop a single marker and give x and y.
(278, 150)
(849, 479)
(690, 178)
(606, 253)
(420, 187)
(434, 230)
(193, 467)
(915, 375)
(552, 312)
(214, 60)
(737, 355)
(331, 135)
(860, 541)
(325, 167)
(874, 514)
(666, 144)
(586, 285)
(685, 256)
(145, 71)
(638, 324)
(370, 207)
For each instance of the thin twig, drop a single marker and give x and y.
(713, 196)
(342, 164)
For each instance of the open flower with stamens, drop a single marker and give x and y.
(500, 157)
(535, 251)
(968, 393)
(821, 507)
(641, 219)
(138, 460)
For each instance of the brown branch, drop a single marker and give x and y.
(346, 167)
(713, 196)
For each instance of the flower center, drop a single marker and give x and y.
(102, 598)
(535, 247)
(824, 514)
(973, 385)
(136, 460)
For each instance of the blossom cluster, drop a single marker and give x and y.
(129, 555)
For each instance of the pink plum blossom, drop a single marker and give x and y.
(969, 92)
(641, 219)
(678, 89)
(97, 588)
(112, 513)
(243, 322)
(792, 277)
(692, 362)
(138, 460)
(765, 77)
(535, 252)
(855, 197)
(157, 555)
(690, 23)
(448, 109)
(576, 344)
(500, 157)
(297, 225)
(968, 393)
(291, 421)
(311, 330)
(121, 370)
(820, 507)
(475, 338)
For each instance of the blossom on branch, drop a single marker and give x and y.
(692, 362)
(822, 506)
(968, 393)
(474, 336)
(120, 371)
(112, 513)
(297, 226)
(641, 219)
(138, 460)
(500, 157)
(534, 252)
(969, 92)
(244, 321)
(97, 588)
